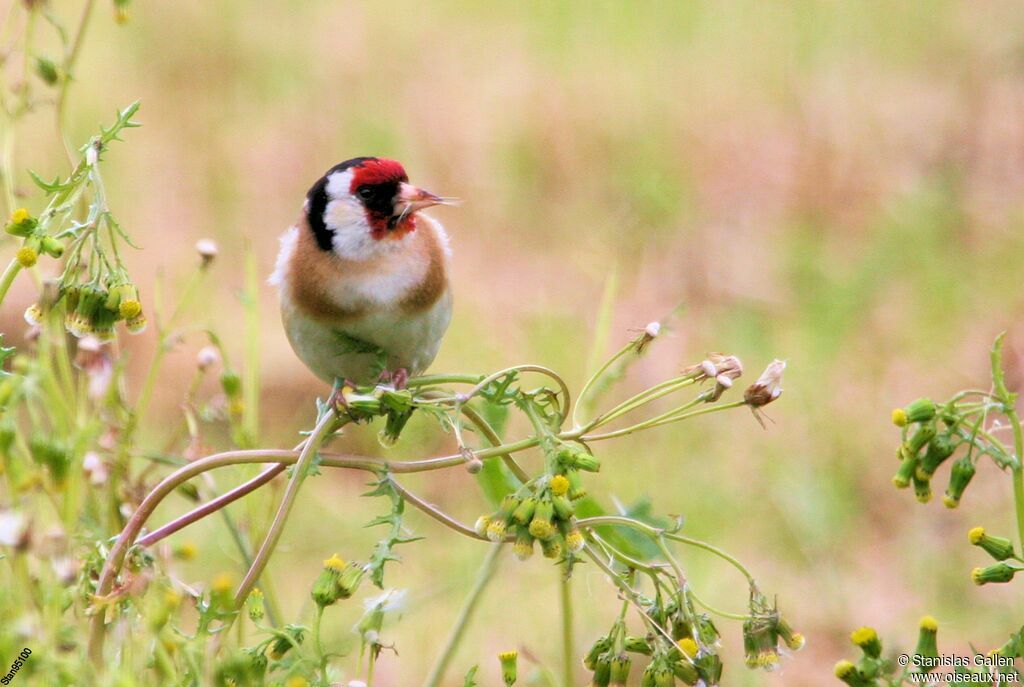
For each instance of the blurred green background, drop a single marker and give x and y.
(836, 184)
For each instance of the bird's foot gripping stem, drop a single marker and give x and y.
(398, 378)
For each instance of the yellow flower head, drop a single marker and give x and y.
(929, 623)
(796, 641)
(496, 530)
(976, 534)
(845, 669)
(223, 582)
(899, 417)
(27, 256)
(688, 647)
(574, 540)
(335, 563)
(19, 216)
(559, 485)
(480, 527)
(186, 551)
(542, 529)
(864, 635)
(129, 308)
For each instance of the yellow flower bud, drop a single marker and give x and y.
(559, 485)
(26, 256)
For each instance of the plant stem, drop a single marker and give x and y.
(318, 645)
(656, 533)
(1010, 411)
(13, 267)
(324, 427)
(212, 506)
(483, 577)
(568, 653)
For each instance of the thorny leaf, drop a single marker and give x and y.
(382, 551)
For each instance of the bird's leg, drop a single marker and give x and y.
(337, 398)
(398, 378)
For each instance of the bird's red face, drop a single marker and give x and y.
(365, 199)
(389, 201)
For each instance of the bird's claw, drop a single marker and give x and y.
(398, 378)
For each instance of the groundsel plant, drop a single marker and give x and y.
(972, 427)
(88, 595)
(673, 637)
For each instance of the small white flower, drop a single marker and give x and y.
(207, 357)
(13, 528)
(66, 569)
(95, 468)
(207, 249)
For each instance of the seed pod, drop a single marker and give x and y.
(600, 646)
(551, 548)
(47, 70)
(959, 477)
(541, 526)
(922, 489)
(638, 645)
(509, 667)
(939, 449)
(998, 573)
(921, 410)
(524, 511)
(523, 547)
(686, 671)
(563, 507)
(921, 437)
(1000, 548)
(926, 639)
(602, 673)
(619, 671)
(901, 480)
(51, 246)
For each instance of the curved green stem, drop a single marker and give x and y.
(665, 418)
(655, 533)
(327, 424)
(13, 267)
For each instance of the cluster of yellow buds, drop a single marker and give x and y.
(691, 660)
(926, 448)
(24, 225)
(337, 580)
(761, 637)
(542, 510)
(872, 670)
(93, 310)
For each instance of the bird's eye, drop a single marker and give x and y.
(364, 192)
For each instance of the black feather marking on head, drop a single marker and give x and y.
(315, 207)
(317, 203)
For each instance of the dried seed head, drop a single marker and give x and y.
(768, 386)
(207, 249)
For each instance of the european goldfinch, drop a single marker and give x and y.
(364, 266)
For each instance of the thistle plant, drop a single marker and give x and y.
(972, 427)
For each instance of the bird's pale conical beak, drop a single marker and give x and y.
(411, 199)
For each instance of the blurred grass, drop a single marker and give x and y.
(838, 184)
